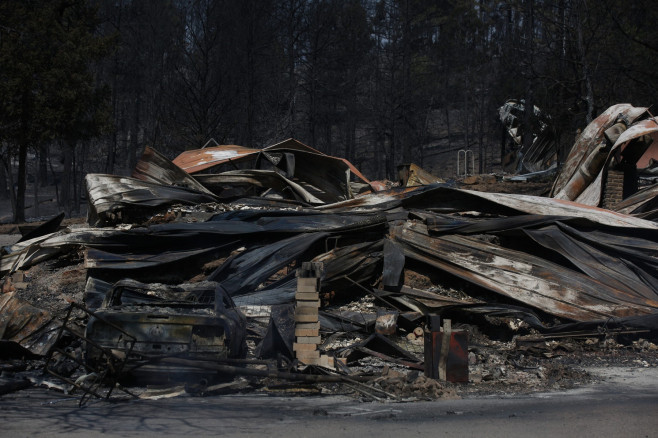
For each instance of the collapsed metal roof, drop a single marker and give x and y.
(289, 157)
(621, 138)
(518, 254)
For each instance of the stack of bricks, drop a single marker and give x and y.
(307, 322)
(613, 190)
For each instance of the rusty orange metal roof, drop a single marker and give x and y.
(590, 138)
(197, 160)
(200, 159)
(639, 129)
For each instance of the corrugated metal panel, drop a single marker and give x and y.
(547, 206)
(156, 168)
(33, 328)
(447, 199)
(639, 129)
(523, 277)
(201, 159)
(112, 198)
(641, 202)
(260, 178)
(590, 138)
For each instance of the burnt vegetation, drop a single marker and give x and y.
(86, 85)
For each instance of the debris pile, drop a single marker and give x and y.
(611, 157)
(286, 264)
(533, 145)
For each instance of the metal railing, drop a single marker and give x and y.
(465, 153)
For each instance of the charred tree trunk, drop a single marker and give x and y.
(65, 198)
(134, 138)
(4, 189)
(12, 189)
(586, 74)
(37, 179)
(79, 181)
(113, 145)
(528, 120)
(43, 166)
(19, 213)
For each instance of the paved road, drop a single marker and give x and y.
(625, 405)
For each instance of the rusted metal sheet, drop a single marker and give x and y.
(378, 186)
(526, 278)
(591, 138)
(535, 204)
(446, 354)
(115, 199)
(625, 258)
(359, 262)
(156, 168)
(264, 179)
(606, 264)
(629, 147)
(446, 199)
(640, 129)
(382, 200)
(32, 328)
(641, 203)
(97, 259)
(586, 173)
(293, 144)
(198, 160)
(330, 174)
(25, 254)
(449, 199)
(245, 272)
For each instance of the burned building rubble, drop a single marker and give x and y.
(605, 163)
(193, 266)
(530, 143)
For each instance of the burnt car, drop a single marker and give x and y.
(194, 321)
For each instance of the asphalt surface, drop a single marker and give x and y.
(624, 404)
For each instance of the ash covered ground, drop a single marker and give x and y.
(501, 360)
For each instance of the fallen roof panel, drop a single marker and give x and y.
(503, 203)
(261, 178)
(249, 269)
(605, 267)
(526, 278)
(445, 199)
(32, 328)
(197, 160)
(156, 168)
(111, 198)
(640, 203)
(590, 139)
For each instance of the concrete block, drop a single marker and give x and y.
(309, 340)
(307, 296)
(304, 347)
(307, 332)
